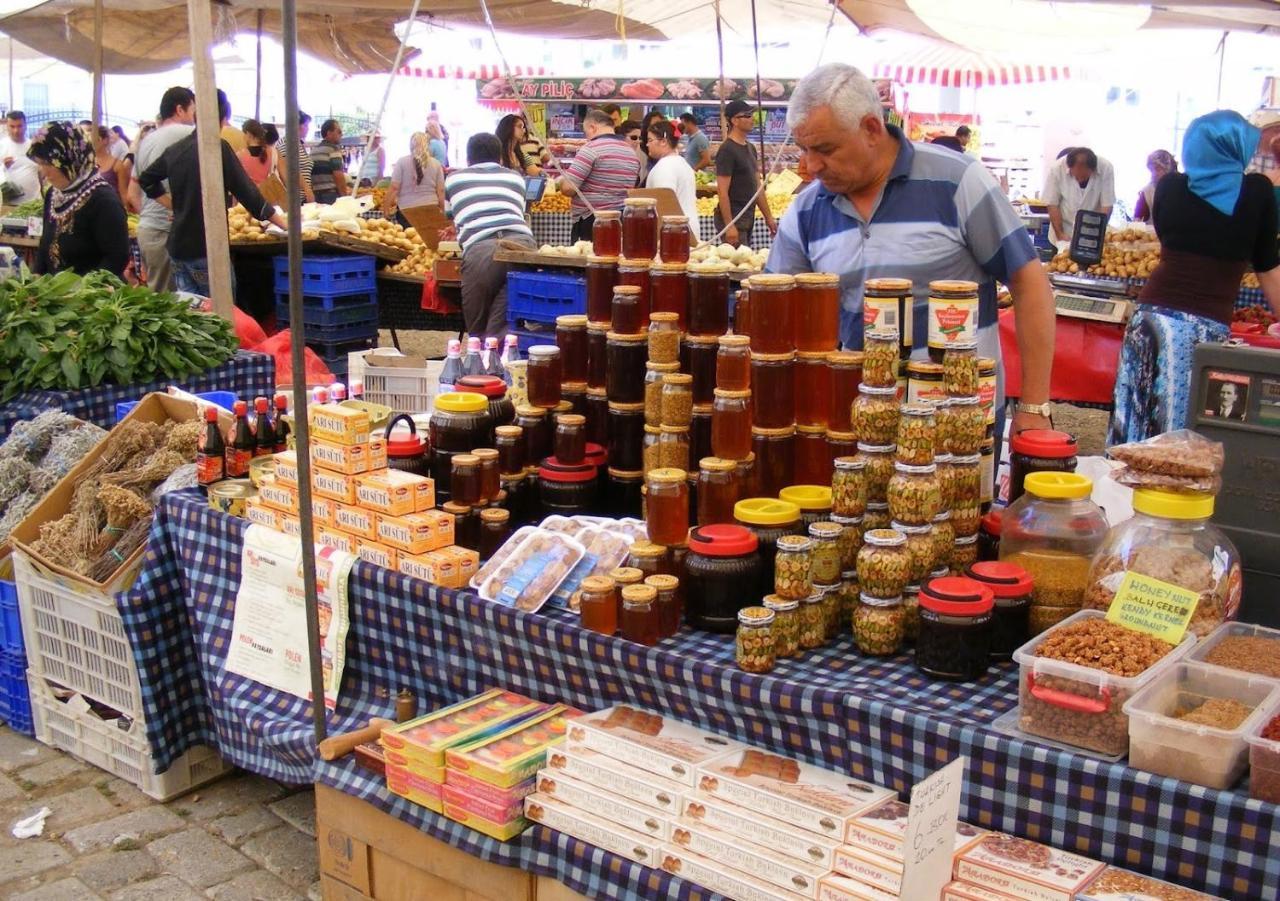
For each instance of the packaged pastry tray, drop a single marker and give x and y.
(1025, 869)
(719, 877)
(735, 851)
(515, 754)
(426, 738)
(532, 570)
(1115, 884)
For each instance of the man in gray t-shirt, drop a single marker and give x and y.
(177, 119)
(697, 146)
(737, 178)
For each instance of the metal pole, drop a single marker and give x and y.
(11, 73)
(755, 40)
(386, 93)
(257, 92)
(293, 186)
(1222, 59)
(97, 67)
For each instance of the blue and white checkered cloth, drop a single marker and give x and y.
(875, 719)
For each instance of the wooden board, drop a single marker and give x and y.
(352, 244)
(401, 277)
(22, 242)
(668, 204)
(427, 220)
(526, 257)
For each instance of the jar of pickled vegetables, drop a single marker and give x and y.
(545, 374)
(677, 399)
(669, 285)
(653, 376)
(773, 304)
(602, 275)
(755, 647)
(723, 574)
(883, 563)
(775, 458)
(966, 502)
(962, 425)
(606, 233)
(825, 567)
(698, 359)
(786, 625)
(717, 490)
(629, 313)
(627, 356)
(921, 547)
(876, 517)
(878, 469)
(731, 424)
(813, 622)
(849, 595)
(879, 625)
(831, 610)
(917, 434)
(880, 359)
(640, 228)
(673, 239)
(913, 494)
(846, 376)
(673, 448)
(875, 415)
(733, 363)
(667, 506)
(773, 397)
(960, 369)
(812, 389)
(944, 538)
(814, 502)
(849, 541)
(812, 460)
(791, 569)
(817, 313)
(946, 479)
(708, 299)
(664, 338)
(849, 487)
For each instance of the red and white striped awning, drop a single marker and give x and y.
(920, 60)
(483, 72)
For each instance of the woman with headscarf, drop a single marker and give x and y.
(1160, 163)
(1213, 220)
(84, 221)
(416, 180)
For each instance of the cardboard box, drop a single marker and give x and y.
(651, 742)
(598, 802)
(291, 525)
(841, 888)
(882, 829)
(798, 793)
(334, 486)
(499, 813)
(279, 497)
(717, 877)
(1116, 884)
(1025, 869)
(449, 567)
(760, 830)
(489, 795)
(349, 459)
(591, 829)
(356, 521)
(413, 766)
(327, 536)
(378, 555)
(615, 777)
(503, 832)
(428, 737)
(869, 868)
(733, 851)
(286, 469)
(338, 424)
(963, 891)
(322, 510)
(515, 754)
(343, 856)
(416, 533)
(257, 512)
(413, 787)
(395, 493)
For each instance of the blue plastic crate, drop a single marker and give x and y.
(542, 296)
(326, 301)
(319, 317)
(224, 399)
(527, 337)
(330, 276)
(339, 334)
(15, 697)
(10, 621)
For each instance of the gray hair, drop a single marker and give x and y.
(844, 88)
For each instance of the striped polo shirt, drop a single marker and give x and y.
(941, 216)
(604, 170)
(485, 199)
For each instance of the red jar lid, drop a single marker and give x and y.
(993, 523)
(1045, 443)
(402, 444)
(956, 596)
(596, 455)
(554, 471)
(722, 540)
(488, 385)
(1006, 580)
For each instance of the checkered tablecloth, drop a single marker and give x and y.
(248, 374)
(878, 720)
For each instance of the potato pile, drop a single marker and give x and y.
(1127, 253)
(778, 204)
(420, 259)
(741, 258)
(242, 228)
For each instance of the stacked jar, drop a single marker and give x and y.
(961, 432)
(773, 380)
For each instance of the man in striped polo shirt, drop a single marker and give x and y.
(603, 171)
(885, 207)
(486, 202)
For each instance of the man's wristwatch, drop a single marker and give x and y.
(1045, 410)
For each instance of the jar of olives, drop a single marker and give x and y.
(878, 463)
(944, 537)
(914, 495)
(911, 611)
(875, 414)
(921, 548)
(754, 647)
(917, 434)
(960, 369)
(964, 553)
(966, 425)
(946, 479)
(813, 622)
(879, 625)
(883, 563)
(849, 487)
(786, 625)
(876, 517)
(850, 540)
(792, 566)
(825, 566)
(880, 358)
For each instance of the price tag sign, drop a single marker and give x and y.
(929, 844)
(1157, 608)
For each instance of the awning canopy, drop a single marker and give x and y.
(480, 73)
(915, 59)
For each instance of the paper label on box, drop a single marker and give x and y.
(774, 834)
(600, 803)
(929, 843)
(281, 497)
(1155, 607)
(631, 845)
(334, 486)
(616, 777)
(357, 521)
(1025, 869)
(790, 874)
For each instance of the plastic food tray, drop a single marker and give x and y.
(1228, 630)
(1264, 760)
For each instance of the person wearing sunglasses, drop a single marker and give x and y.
(738, 177)
(631, 130)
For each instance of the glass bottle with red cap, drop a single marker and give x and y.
(954, 641)
(1011, 586)
(1039, 450)
(722, 576)
(406, 450)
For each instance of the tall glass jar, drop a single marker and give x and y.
(921, 547)
(721, 569)
(652, 447)
(510, 441)
(597, 413)
(817, 316)
(813, 464)
(717, 490)
(602, 276)
(849, 541)
(924, 383)
(754, 647)
(913, 494)
(597, 354)
(733, 363)
(876, 517)
(571, 338)
(773, 398)
(490, 478)
(849, 487)
(640, 228)
(775, 458)
(944, 539)
(667, 603)
(545, 374)
(627, 355)
(878, 461)
(495, 528)
(606, 234)
(879, 626)
(987, 388)
(677, 399)
(773, 303)
(966, 495)
(960, 369)
(880, 359)
(700, 432)
(962, 425)
(626, 436)
(664, 338)
(813, 389)
(875, 415)
(667, 506)
(629, 312)
(649, 558)
(786, 625)
(792, 577)
(653, 376)
(846, 376)
(673, 239)
(698, 359)
(953, 315)
(623, 490)
(708, 299)
(917, 434)
(465, 480)
(538, 433)
(887, 304)
(635, 274)
(673, 448)
(813, 622)
(574, 394)
(669, 287)
(571, 438)
(883, 563)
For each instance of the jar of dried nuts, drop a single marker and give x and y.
(880, 359)
(967, 480)
(883, 563)
(875, 414)
(914, 494)
(966, 425)
(786, 625)
(879, 625)
(921, 548)
(849, 541)
(876, 517)
(917, 434)
(877, 461)
(813, 622)
(849, 487)
(754, 647)
(960, 369)
(825, 567)
(792, 566)
(946, 479)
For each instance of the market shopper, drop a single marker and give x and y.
(1159, 163)
(1079, 180)
(602, 171)
(417, 179)
(486, 201)
(328, 168)
(630, 130)
(697, 146)
(1213, 220)
(228, 132)
(439, 143)
(738, 179)
(645, 124)
(177, 119)
(512, 132)
(886, 207)
(373, 164)
(614, 112)
(21, 177)
(964, 135)
(84, 220)
(304, 161)
(111, 167)
(256, 158)
(1274, 172)
(670, 170)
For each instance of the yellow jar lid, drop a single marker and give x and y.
(846, 357)
(765, 511)
(670, 475)
(1172, 504)
(717, 464)
(648, 550)
(461, 402)
(663, 317)
(573, 320)
(808, 497)
(1059, 485)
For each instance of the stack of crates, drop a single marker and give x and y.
(536, 297)
(15, 699)
(340, 305)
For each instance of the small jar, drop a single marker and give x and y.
(917, 434)
(652, 448)
(606, 233)
(921, 547)
(944, 539)
(924, 383)
(510, 441)
(879, 626)
(623, 492)
(966, 501)
(987, 388)
(875, 415)
(597, 414)
(466, 524)
(622, 577)
(773, 303)
(495, 529)
(954, 640)
(813, 622)
(700, 432)
(538, 433)
(721, 570)
(708, 299)
(677, 399)
(464, 480)
(566, 490)
(640, 228)
(876, 517)
(849, 487)
(602, 278)
(880, 359)
(964, 553)
(628, 313)
(633, 274)
(742, 312)
(960, 369)
(817, 316)
(669, 291)
(640, 615)
(887, 304)
(731, 424)
(849, 542)
(792, 578)
(989, 531)
(773, 392)
(775, 458)
(516, 499)
(831, 610)
(812, 461)
(717, 490)
(667, 602)
(673, 239)
(698, 359)
(627, 355)
(768, 519)
(754, 647)
(664, 338)
(653, 376)
(846, 376)
(597, 355)
(490, 478)
(786, 625)
(883, 563)
(963, 426)
(911, 612)
(571, 438)
(747, 477)
(953, 315)
(913, 494)
(1038, 450)
(945, 465)
(571, 338)
(667, 506)
(573, 398)
(841, 444)
(814, 502)
(825, 565)
(733, 363)
(673, 448)
(545, 374)
(598, 605)
(813, 389)
(649, 558)
(1011, 586)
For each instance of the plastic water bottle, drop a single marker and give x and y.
(493, 362)
(452, 370)
(337, 392)
(471, 363)
(510, 350)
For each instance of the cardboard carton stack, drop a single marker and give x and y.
(382, 515)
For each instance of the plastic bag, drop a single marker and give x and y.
(1137, 478)
(1179, 453)
(278, 347)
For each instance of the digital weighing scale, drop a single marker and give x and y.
(1099, 300)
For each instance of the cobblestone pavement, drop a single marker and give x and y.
(242, 838)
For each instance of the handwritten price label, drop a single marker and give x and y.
(931, 831)
(1152, 606)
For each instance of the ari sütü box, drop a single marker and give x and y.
(359, 522)
(598, 802)
(395, 493)
(257, 512)
(633, 846)
(618, 778)
(812, 798)
(883, 828)
(416, 533)
(378, 555)
(350, 459)
(338, 424)
(761, 830)
(286, 469)
(515, 754)
(426, 738)
(650, 742)
(448, 567)
(1025, 869)
(784, 872)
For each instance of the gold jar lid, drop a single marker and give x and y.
(717, 464)
(601, 261)
(572, 420)
(508, 431)
(626, 408)
(675, 220)
(846, 358)
(465, 460)
(608, 215)
(597, 393)
(813, 356)
(733, 340)
(628, 290)
(484, 453)
(627, 339)
(772, 358)
(710, 267)
(674, 429)
(648, 550)
(663, 317)
(626, 575)
(640, 201)
(887, 287)
(455, 508)
(667, 476)
(662, 582)
(639, 594)
(787, 432)
(574, 320)
(701, 340)
(678, 379)
(811, 429)
(662, 367)
(817, 279)
(597, 585)
(629, 474)
(736, 395)
(573, 388)
(599, 326)
(495, 515)
(770, 281)
(625, 265)
(925, 369)
(669, 268)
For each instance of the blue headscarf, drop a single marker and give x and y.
(1215, 151)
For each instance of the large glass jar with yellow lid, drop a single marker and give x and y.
(814, 502)
(953, 315)
(773, 304)
(459, 422)
(768, 519)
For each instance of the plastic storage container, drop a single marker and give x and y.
(1241, 648)
(1012, 587)
(1039, 450)
(953, 640)
(722, 561)
(1264, 759)
(501, 407)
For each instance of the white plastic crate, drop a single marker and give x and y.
(119, 747)
(404, 390)
(75, 637)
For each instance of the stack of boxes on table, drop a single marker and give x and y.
(360, 506)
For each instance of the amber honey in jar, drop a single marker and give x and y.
(667, 506)
(640, 228)
(733, 363)
(667, 603)
(708, 298)
(510, 441)
(602, 277)
(775, 459)
(634, 274)
(953, 315)
(490, 478)
(465, 480)
(742, 312)
(571, 438)
(627, 355)
(773, 391)
(698, 359)
(700, 432)
(606, 234)
(673, 239)
(597, 354)
(669, 290)
(545, 373)
(673, 447)
(626, 436)
(597, 413)
(640, 614)
(773, 303)
(813, 389)
(846, 376)
(630, 309)
(731, 424)
(571, 338)
(598, 606)
(888, 304)
(538, 433)
(718, 490)
(817, 312)
(841, 444)
(813, 462)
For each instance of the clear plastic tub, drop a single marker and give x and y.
(1264, 758)
(1163, 744)
(1262, 659)
(1078, 705)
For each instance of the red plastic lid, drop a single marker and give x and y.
(1045, 443)
(240, 408)
(261, 404)
(993, 522)
(596, 455)
(488, 385)
(722, 540)
(1006, 580)
(210, 414)
(956, 596)
(554, 471)
(400, 444)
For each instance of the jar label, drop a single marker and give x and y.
(952, 320)
(988, 476)
(922, 391)
(889, 313)
(1153, 606)
(987, 396)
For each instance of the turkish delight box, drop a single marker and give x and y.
(515, 754)
(598, 802)
(761, 830)
(428, 737)
(842, 888)
(869, 868)
(641, 849)
(503, 831)
(718, 877)
(964, 891)
(415, 788)
(486, 794)
(615, 777)
(883, 828)
(1025, 869)
(810, 797)
(732, 850)
(1116, 884)
(651, 742)
(498, 812)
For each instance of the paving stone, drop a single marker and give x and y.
(137, 825)
(125, 795)
(230, 795)
(31, 857)
(201, 859)
(9, 790)
(240, 826)
(110, 870)
(17, 751)
(61, 767)
(288, 853)
(62, 890)
(298, 810)
(166, 888)
(255, 886)
(83, 805)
